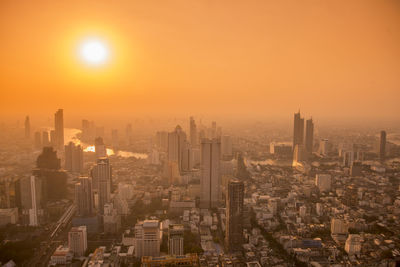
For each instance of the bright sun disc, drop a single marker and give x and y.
(94, 52)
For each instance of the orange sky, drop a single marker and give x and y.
(333, 58)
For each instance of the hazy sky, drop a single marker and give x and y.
(335, 58)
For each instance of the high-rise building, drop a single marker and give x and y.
(323, 147)
(77, 241)
(27, 128)
(59, 128)
(84, 196)
(102, 182)
(100, 148)
(175, 239)
(162, 140)
(309, 140)
(298, 130)
(45, 139)
(73, 158)
(193, 132)
(234, 215)
(226, 147)
(53, 138)
(176, 142)
(210, 181)
(382, 147)
(147, 238)
(54, 179)
(323, 182)
(111, 219)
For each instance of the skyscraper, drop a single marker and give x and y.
(45, 139)
(77, 240)
(102, 182)
(73, 158)
(31, 196)
(234, 215)
(193, 132)
(226, 147)
(59, 128)
(298, 130)
(84, 196)
(382, 147)
(175, 239)
(210, 182)
(147, 238)
(309, 140)
(27, 128)
(100, 148)
(176, 144)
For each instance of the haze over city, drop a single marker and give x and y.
(200, 133)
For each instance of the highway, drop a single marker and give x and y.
(57, 236)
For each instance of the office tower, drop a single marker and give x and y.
(323, 182)
(176, 143)
(298, 130)
(193, 132)
(234, 215)
(53, 138)
(213, 130)
(30, 199)
(9, 192)
(100, 148)
(102, 182)
(162, 140)
(33, 212)
(84, 196)
(175, 239)
(210, 181)
(59, 128)
(226, 147)
(147, 238)
(73, 158)
(299, 154)
(38, 140)
(382, 147)
(323, 147)
(111, 219)
(27, 128)
(54, 179)
(77, 241)
(45, 139)
(114, 139)
(129, 133)
(309, 136)
(187, 157)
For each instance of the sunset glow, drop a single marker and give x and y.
(94, 52)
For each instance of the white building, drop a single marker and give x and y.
(175, 239)
(147, 238)
(62, 256)
(77, 241)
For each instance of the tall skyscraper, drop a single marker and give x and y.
(84, 196)
(147, 238)
(100, 148)
(226, 147)
(309, 140)
(27, 128)
(54, 179)
(298, 130)
(45, 139)
(382, 146)
(102, 182)
(59, 128)
(31, 197)
(193, 132)
(77, 241)
(73, 158)
(234, 215)
(176, 144)
(210, 182)
(175, 239)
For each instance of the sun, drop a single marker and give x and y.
(94, 52)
